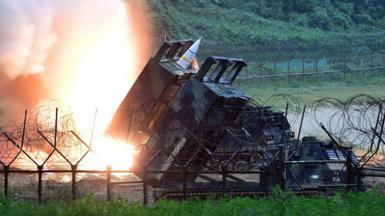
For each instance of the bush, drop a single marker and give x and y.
(363, 19)
(303, 6)
(320, 19)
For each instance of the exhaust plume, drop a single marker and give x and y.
(83, 53)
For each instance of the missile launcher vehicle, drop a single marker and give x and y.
(199, 121)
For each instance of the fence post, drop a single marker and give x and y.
(288, 71)
(73, 188)
(39, 183)
(6, 175)
(275, 67)
(108, 183)
(371, 60)
(359, 178)
(251, 76)
(184, 182)
(264, 180)
(288, 66)
(303, 70)
(349, 169)
(303, 65)
(274, 72)
(330, 62)
(281, 168)
(383, 59)
(224, 171)
(144, 185)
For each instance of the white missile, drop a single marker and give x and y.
(188, 57)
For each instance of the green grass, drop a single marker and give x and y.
(281, 203)
(313, 89)
(241, 31)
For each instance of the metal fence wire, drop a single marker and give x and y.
(52, 152)
(15, 148)
(294, 68)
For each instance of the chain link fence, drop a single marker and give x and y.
(298, 68)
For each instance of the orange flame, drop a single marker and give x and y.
(105, 65)
(86, 55)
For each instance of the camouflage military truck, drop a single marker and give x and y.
(321, 165)
(198, 120)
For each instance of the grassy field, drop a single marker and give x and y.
(281, 203)
(313, 89)
(265, 30)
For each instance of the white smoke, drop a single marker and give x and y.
(26, 35)
(40, 40)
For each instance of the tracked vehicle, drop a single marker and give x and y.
(189, 124)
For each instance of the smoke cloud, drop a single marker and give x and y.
(45, 44)
(26, 36)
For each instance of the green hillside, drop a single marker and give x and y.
(265, 29)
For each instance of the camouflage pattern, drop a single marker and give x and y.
(267, 126)
(257, 130)
(300, 176)
(191, 129)
(199, 120)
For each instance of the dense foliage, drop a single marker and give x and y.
(266, 29)
(327, 15)
(281, 203)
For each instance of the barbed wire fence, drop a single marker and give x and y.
(301, 69)
(47, 143)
